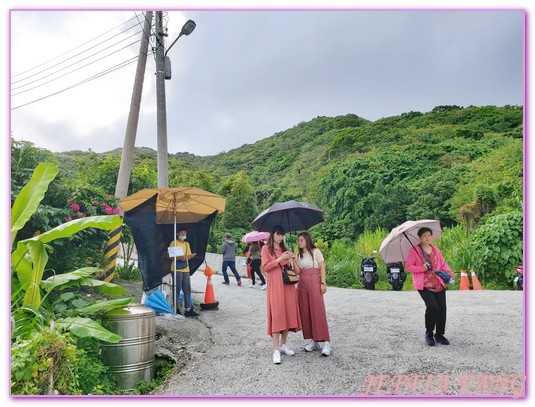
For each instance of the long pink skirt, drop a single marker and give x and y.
(311, 306)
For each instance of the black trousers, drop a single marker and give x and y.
(435, 311)
(255, 268)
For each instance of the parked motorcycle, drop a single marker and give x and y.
(368, 271)
(395, 272)
(518, 281)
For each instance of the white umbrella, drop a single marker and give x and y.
(404, 237)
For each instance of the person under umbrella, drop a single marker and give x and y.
(253, 255)
(180, 270)
(424, 261)
(309, 264)
(282, 308)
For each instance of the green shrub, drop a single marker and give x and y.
(46, 363)
(128, 272)
(497, 247)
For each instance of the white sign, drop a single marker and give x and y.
(175, 251)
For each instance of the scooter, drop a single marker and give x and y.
(368, 271)
(395, 272)
(518, 281)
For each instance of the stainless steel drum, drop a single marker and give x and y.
(132, 358)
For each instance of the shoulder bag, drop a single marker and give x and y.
(289, 276)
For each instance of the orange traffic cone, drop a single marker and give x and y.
(476, 285)
(465, 284)
(209, 297)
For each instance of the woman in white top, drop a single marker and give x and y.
(310, 266)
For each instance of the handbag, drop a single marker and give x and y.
(446, 277)
(289, 276)
(181, 264)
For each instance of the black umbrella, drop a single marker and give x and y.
(293, 216)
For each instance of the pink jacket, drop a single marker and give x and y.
(415, 265)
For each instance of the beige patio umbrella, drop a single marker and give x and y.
(182, 205)
(177, 205)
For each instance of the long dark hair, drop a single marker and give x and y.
(308, 240)
(280, 230)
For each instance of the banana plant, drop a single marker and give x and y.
(29, 259)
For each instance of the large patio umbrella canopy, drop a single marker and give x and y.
(188, 204)
(396, 246)
(154, 215)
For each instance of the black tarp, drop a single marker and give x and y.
(152, 240)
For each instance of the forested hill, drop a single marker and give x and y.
(459, 165)
(454, 164)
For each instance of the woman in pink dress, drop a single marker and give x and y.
(282, 309)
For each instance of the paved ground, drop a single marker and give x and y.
(377, 337)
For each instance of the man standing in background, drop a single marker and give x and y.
(228, 249)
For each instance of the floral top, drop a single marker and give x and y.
(431, 281)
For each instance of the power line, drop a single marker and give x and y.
(103, 73)
(88, 79)
(75, 63)
(74, 56)
(73, 49)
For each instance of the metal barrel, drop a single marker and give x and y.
(132, 358)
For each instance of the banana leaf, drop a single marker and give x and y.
(87, 328)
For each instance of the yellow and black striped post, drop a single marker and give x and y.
(110, 253)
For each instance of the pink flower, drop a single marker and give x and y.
(105, 205)
(68, 218)
(108, 210)
(70, 200)
(75, 207)
(80, 214)
(116, 211)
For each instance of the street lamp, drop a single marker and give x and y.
(161, 114)
(187, 29)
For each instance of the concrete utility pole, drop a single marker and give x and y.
(161, 113)
(127, 155)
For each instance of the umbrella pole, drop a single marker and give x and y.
(290, 228)
(414, 247)
(174, 265)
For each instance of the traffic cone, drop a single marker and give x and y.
(465, 284)
(209, 297)
(476, 285)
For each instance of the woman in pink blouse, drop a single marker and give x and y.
(282, 310)
(423, 261)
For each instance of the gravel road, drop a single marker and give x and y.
(377, 339)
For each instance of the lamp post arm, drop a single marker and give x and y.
(180, 35)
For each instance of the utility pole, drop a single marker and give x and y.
(161, 113)
(127, 155)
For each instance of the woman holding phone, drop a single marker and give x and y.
(282, 309)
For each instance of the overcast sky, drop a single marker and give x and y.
(242, 76)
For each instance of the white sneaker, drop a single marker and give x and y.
(252, 286)
(286, 350)
(277, 357)
(311, 345)
(264, 286)
(326, 349)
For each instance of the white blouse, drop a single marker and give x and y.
(309, 262)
